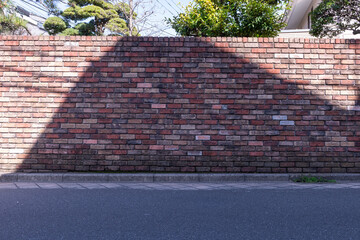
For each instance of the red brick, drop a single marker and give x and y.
(256, 154)
(158, 105)
(190, 75)
(258, 50)
(326, 45)
(257, 122)
(12, 43)
(152, 70)
(221, 45)
(107, 49)
(70, 54)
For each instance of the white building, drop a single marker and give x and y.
(299, 21)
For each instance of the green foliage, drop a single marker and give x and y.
(70, 32)
(71, 13)
(96, 16)
(125, 10)
(118, 25)
(9, 22)
(333, 17)
(85, 29)
(247, 18)
(312, 179)
(54, 25)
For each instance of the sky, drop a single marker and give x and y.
(163, 9)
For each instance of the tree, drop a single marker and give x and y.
(333, 17)
(136, 13)
(9, 22)
(95, 16)
(51, 6)
(236, 18)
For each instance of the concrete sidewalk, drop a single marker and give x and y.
(163, 186)
(165, 177)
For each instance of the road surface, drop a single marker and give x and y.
(179, 211)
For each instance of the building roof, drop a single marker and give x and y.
(34, 13)
(32, 7)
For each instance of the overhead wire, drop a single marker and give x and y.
(166, 8)
(171, 6)
(176, 4)
(161, 30)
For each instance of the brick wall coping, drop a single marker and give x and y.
(179, 39)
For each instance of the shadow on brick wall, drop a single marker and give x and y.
(196, 105)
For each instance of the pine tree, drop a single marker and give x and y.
(90, 18)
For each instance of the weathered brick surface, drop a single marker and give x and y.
(179, 104)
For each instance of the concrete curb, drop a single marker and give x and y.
(165, 177)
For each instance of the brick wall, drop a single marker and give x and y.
(179, 104)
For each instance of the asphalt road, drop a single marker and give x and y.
(201, 214)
